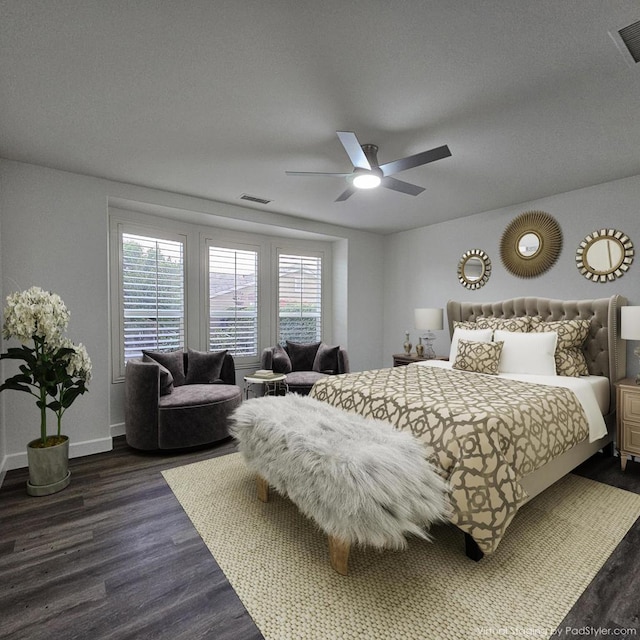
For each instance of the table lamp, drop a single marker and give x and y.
(630, 328)
(428, 320)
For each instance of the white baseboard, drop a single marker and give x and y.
(76, 450)
(117, 429)
(89, 447)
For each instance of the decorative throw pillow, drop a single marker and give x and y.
(479, 357)
(477, 335)
(204, 367)
(521, 324)
(326, 360)
(302, 355)
(280, 361)
(464, 324)
(166, 379)
(531, 353)
(570, 360)
(172, 360)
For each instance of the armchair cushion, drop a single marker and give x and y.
(171, 360)
(166, 379)
(204, 367)
(302, 381)
(302, 355)
(280, 361)
(198, 395)
(326, 359)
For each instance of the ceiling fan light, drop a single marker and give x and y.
(366, 181)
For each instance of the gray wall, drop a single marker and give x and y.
(55, 230)
(54, 233)
(3, 436)
(421, 265)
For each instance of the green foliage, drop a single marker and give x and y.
(44, 375)
(299, 323)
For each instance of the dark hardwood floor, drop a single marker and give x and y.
(113, 556)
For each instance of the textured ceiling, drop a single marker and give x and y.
(218, 98)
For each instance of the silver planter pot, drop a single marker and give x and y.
(48, 468)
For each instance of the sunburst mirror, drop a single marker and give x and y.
(530, 244)
(604, 255)
(474, 269)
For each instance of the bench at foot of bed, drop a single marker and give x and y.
(338, 549)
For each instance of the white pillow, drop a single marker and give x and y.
(477, 335)
(527, 352)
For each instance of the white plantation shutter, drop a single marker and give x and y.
(233, 300)
(299, 298)
(152, 276)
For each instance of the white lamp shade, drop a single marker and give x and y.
(428, 319)
(630, 323)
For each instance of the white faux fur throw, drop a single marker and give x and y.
(359, 479)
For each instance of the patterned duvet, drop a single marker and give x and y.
(482, 432)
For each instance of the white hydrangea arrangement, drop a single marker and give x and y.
(55, 370)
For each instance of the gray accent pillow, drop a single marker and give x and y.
(280, 361)
(173, 361)
(204, 367)
(326, 360)
(166, 379)
(302, 355)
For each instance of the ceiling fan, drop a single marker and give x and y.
(368, 174)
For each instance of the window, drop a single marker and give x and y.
(153, 294)
(233, 300)
(175, 284)
(299, 298)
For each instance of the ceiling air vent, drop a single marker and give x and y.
(246, 196)
(627, 40)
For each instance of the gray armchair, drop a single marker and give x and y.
(304, 364)
(177, 399)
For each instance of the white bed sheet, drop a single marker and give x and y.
(591, 391)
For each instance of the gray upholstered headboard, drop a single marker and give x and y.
(603, 349)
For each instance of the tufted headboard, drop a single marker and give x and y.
(604, 351)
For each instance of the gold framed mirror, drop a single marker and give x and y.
(530, 244)
(474, 269)
(604, 255)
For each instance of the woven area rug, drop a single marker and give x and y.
(277, 562)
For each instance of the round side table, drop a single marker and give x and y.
(270, 386)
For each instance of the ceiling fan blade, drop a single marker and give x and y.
(345, 194)
(317, 173)
(353, 149)
(403, 187)
(390, 168)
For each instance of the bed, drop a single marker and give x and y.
(499, 440)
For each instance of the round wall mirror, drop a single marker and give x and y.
(530, 244)
(604, 255)
(474, 269)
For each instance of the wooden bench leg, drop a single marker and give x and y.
(339, 555)
(338, 549)
(262, 487)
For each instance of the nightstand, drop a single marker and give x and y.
(402, 359)
(628, 419)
